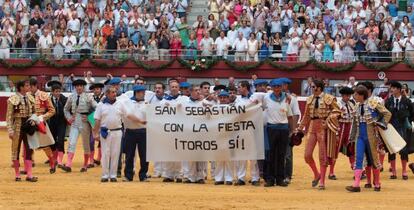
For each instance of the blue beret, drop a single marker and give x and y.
(260, 82)
(184, 85)
(139, 88)
(114, 81)
(285, 80)
(224, 93)
(276, 82)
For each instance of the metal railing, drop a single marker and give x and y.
(194, 54)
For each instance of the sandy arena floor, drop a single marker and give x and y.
(84, 190)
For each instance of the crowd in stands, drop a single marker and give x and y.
(243, 30)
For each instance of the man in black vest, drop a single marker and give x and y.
(402, 114)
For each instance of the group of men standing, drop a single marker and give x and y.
(118, 122)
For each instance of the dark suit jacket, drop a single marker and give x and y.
(59, 118)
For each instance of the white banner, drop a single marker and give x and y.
(178, 133)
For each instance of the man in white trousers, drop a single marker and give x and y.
(76, 110)
(224, 169)
(173, 169)
(244, 99)
(108, 128)
(157, 99)
(193, 171)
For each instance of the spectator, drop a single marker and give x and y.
(191, 47)
(151, 24)
(85, 43)
(31, 42)
(175, 45)
(69, 41)
(153, 48)
(304, 46)
(200, 31)
(36, 20)
(45, 43)
(18, 43)
(293, 47)
(122, 46)
(240, 46)
(372, 47)
(264, 52)
(74, 24)
(214, 5)
(252, 47)
(181, 7)
(111, 45)
(221, 45)
(397, 46)
(409, 46)
(327, 49)
(348, 51)
(164, 45)
(308, 87)
(5, 42)
(206, 45)
(338, 45)
(277, 46)
(183, 29)
(58, 46)
(98, 44)
(140, 49)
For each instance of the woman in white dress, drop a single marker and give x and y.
(318, 49)
(252, 47)
(304, 46)
(338, 49)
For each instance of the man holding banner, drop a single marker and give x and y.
(223, 173)
(173, 169)
(135, 134)
(197, 133)
(156, 99)
(193, 171)
(243, 100)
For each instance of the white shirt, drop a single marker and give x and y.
(409, 45)
(221, 45)
(137, 109)
(74, 25)
(293, 46)
(151, 25)
(69, 42)
(277, 112)
(45, 41)
(85, 42)
(110, 115)
(240, 45)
